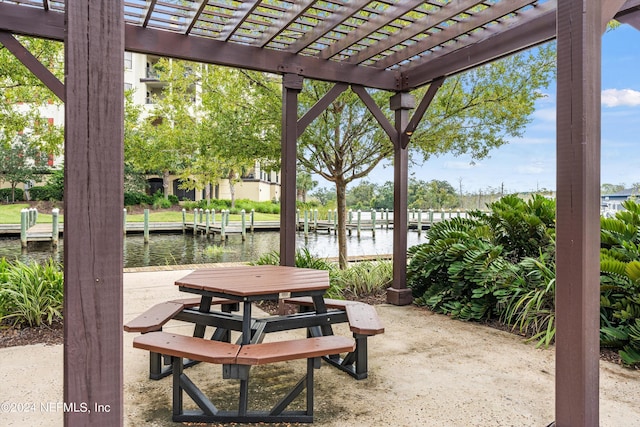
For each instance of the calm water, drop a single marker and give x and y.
(179, 249)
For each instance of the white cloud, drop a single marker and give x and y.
(545, 114)
(620, 97)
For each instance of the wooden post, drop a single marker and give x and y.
(207, 218)
(223, 224)
(578, 151)
(335, 221)
(124, 221)
(146, 226)
(243, 224)
(213, 216)
(55, 229)
(315, 219)
(359, 221)
(94, 134)
(252, 219)
(373, 222)
(306, 223)
(386, 217)
(184, 220)
(430, 216)
(24, 226)
(442, 214)
(329, 216)
(195, 221)
(291, 87)
(227, 216)
(419, 222)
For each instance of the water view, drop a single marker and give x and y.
(180, 249)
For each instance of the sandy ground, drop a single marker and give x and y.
(425, 370)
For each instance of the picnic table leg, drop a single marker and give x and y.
(205, 306)
(246, 323)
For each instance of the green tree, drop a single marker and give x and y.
(480, 110)
(610, 188)
(240, 124)
(434, 194)
(21, 162)
(471, 114)
(362, 195)
(304, 184)
(344, 144)
(325, 196)
(23, 95)
(159, 144)
(384, 196)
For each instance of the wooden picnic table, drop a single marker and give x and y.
(249, 284)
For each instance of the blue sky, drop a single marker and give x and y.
(529, 163)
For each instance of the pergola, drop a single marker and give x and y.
(395, 45)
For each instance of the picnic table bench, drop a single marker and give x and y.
(363, 323)
(154, 318)
(237, 359)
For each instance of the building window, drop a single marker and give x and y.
(128, 60)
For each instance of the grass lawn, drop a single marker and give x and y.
(10, 214)
(174, 216)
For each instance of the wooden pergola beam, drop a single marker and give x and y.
(32, 64)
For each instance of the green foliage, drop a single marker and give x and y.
(21, 162)
(503, 264)
(529, 302)
(135, 198)
(30, 295)
(161, 203)
(5, 195)
(52, 190)
(620, 282)
(359, 279)
(364, 278)
(225, 204)
(481, 267)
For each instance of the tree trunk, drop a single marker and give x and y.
(341, 201)
(165, 183)
(207, 193)
(232, 188)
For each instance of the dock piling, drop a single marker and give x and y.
(55, 226)
(146, 226)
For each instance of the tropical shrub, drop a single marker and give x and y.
(620, 282)
(364, 278)
(469, 264)
(30, 294)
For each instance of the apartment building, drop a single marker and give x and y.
(139, 74)
(256, 184)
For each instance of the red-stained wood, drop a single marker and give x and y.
(280, 351)
(398, 294)
(154, 318)
(363, 319)
(94, 117)
(578, 215)
(190, 347)
(291, 87)
(256, 280)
